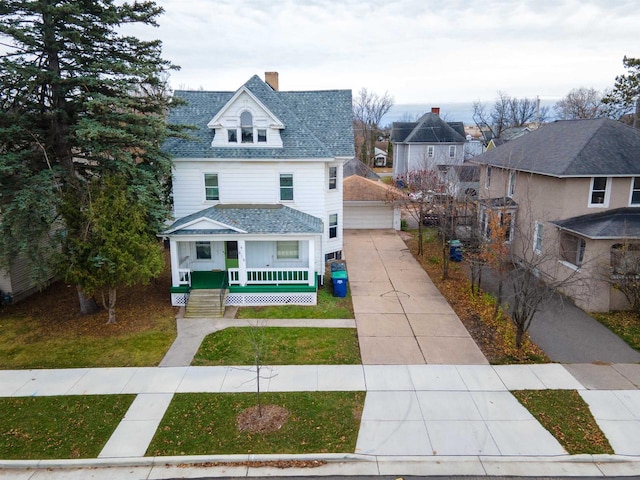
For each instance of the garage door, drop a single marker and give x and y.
(378, 216)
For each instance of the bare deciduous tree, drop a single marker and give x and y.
(580, 103)
(368, 110)
(623, 272)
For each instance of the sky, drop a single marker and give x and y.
(419, 51)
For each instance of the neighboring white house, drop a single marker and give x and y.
(380, 157)
(426, 144)
(257, 191)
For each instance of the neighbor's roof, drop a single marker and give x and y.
(353, 166)
(567, 148)
(611, 224)
(317, 124)
(252, 219)
(360, 189)
(430, 128)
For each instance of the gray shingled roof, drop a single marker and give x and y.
(318, 124)
(565, 148)
(612, 224)
(354, 166)
(430, 128)
(261, 219)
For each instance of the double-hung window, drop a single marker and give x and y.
(599, 188)
(286, 187)
(635, 191)
(538, 237)
(572, 249)
(333, 178)
(487, 179)
(430, 151)
(203, 250)
(512, 183)
(452, 151)
(333, 225)
(288, 250)
(246, 127)
(211, 189)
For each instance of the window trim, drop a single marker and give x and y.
(286, 187)
(333, 226)
(578, 254)
(217, 186)
(636, 189)
(288, 247)
(431, 151)
(452, 151)
(487, 178)
(207, 244)
(511, 188)
(538, 237)
(333, 179)
(607, 193)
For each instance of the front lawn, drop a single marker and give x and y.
(567, 417)
(34, 428)
(280, 346)
(624, 324)
(328, 307)
(205, 424)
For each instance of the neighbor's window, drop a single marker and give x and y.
(625, 259)
(506, 224)
(572, 249)
(452, 151)
(286, 187)
(246, 127)
(333, 178)
(430, 151)
(262, 135)
(598, 191)
(211, 191)
(635, 191)
(538, 236)
(487, 180)
(512, 183)
(232, 135)
(203, 250)
(333, 225)
(288, 250)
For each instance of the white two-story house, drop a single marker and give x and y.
(257, 191)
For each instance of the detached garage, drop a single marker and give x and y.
(367, 204)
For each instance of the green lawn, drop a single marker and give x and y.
(624, 324)
(205, 424)
(328, 307)
(33, 428)
(280, 346)
(567, 417)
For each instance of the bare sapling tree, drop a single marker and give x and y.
(257, 337)
(368, 110)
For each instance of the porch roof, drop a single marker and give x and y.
(248, 219)
(613, 224)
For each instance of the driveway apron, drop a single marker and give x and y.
(401, 316)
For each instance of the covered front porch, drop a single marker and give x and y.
(278, 264)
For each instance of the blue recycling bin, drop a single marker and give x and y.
(340, 280)
(455, 250)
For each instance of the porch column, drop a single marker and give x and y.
(312, 262)
(242, 263)
(175, 262)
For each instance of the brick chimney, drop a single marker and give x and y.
(272, 79)
(435, 110)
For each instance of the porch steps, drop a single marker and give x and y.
(205, 303)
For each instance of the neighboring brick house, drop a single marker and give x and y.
(570, 189)
(257, 191)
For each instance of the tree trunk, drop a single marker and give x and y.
(88, 305)
(519, 336)
(112, 306)
(499, 299)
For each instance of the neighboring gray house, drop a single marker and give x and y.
(356, 167)
(257, 191)
(426, 144)
(570, 191)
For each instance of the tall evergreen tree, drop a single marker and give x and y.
(624, 99)
(75, 106)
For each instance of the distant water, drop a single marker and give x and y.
(451, 112)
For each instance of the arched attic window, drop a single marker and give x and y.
(246, 127)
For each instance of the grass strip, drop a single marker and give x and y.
(280, 346)
(204, 423)
(33, 428)
(328, 306)
(567, 416)
(624, 324)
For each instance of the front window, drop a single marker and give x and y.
(246, 127)
(452, 151)
(538, 236)
(286, 187)
(635, 191)
(598, 191)
(572, 249)
(211, 191)
(625, 259)
(512, 183)
(430, 151)
(262, 135)
(333, 225)
(203, 250)
(333, 178)
(232, 135)
(288, 250)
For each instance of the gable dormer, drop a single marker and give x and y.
(245, 122)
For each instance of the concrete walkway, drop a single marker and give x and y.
(401, 316)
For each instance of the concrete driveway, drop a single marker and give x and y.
(401, 316)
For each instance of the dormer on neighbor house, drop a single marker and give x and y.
(257, 193)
